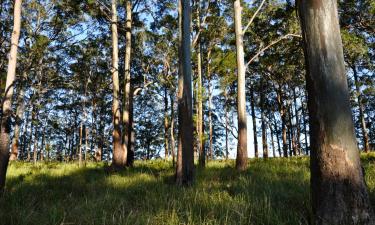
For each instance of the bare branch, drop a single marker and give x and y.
(269, 46)
(252, 18)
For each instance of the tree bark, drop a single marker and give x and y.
(339, 192)
(241, 160)
(264, 122)
(119, 156)
(5, 128)
(185, 171)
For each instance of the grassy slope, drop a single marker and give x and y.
(271, 192)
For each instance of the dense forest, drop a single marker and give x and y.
(192, 83)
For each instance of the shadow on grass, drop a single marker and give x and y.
(272, 192)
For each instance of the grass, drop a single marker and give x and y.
(275, 191)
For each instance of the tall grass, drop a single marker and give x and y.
(274, 191)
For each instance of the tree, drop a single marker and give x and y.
(185, 155)
(339, 193)
(241, 160)
(8, 95)
(119, 156)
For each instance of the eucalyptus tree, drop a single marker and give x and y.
(185, 154)
(335, 161)
(5, 128)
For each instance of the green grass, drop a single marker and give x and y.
(275, 191)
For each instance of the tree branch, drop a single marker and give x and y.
(252, 18)
(269, 46)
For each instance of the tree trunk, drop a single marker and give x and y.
(339, 192)
(119, 156)
(80, 145)
(185, 163)
(264, 122)
(272, 141)
(166, 125)
(5, 126)
(42, 147)
(366, 144)
(241, 160)
(202, 152)
(226, 125)
(210, 126)
(127, 88)
(131, 134)
(298, 126)
(283, 123)
(255, 136)
(19, 114)
(172, 131)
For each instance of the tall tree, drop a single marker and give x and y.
(119, 156)
(185, 159)
(8, 95)
(339, 193)
(127, 127)
(241, 160)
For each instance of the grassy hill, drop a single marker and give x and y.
(275, 191)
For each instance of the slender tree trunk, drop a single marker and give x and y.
(210, 126)
(172, 131)
(80, 145)
(292, 142)
(166, 125)
(35, 152)
(86, 144)
(131, 135)
(365, 141)
(19, 114)
(277, 137)
(339, 192)
(127, 127)
(272, 141)
(30, 135)
(241, 160)
(185, 163)
(42, 148)
(283, 123)
(5, 126)
(119, 158)
(226, 125)
(264, 122)
(202, 152)
(255, 136)
(298, 125)
(305, 128)
(24, 137)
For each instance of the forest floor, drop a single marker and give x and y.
(274, 192)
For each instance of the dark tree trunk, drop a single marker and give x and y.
(264, 122)
(255, 136)
(339, 192)
(131, 134)
(185, 163)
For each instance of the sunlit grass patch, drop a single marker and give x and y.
(273, 191)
